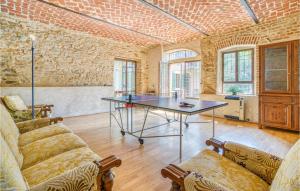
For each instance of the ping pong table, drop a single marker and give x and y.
(149, 103)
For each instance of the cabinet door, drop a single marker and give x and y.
(276, 68)
(296, 113)
(276, 115)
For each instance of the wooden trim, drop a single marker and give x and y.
(105, 176)
(176, 174)
(296, 66)
(216, 144)
(56, 120)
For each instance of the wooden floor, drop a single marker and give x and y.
(141, 164)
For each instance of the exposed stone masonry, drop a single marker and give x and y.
(63, 57)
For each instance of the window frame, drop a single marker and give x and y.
(237, 69)
(135, 71)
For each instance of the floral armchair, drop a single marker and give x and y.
(20, 112)
(238, 168)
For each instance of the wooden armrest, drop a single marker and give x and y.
(55, 120)
(174, 173)
(216, 144)
(108, 163)
(105, 176)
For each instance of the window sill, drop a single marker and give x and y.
(242, 95)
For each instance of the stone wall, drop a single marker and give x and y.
(63, 57)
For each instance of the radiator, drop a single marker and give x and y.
(234, 110)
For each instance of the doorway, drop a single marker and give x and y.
(185, 79)
(124, 77)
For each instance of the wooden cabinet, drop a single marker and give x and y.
(279, 85)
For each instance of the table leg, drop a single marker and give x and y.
(127, 121)
(213, 121)
(180, 137)
(131, 119)
(110, 114)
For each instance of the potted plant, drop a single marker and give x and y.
(234, 90)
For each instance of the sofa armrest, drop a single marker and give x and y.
(217, 144)
(44, 109)
(262, 164)
(105, 176)
(175, 174)
(30, 125)
(196, 182)
(81, 178)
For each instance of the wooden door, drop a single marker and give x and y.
(276, 115)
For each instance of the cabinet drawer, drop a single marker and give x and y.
(277, 99)
(276, 115)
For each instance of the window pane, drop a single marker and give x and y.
(124, 76)
(192, 79)
(276, 69)
(130, 77)
(229, 67)
(241, 88)
(245, 65)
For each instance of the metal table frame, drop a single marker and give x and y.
(129, 127)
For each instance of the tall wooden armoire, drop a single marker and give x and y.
(279, 80)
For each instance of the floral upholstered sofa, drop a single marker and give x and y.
(241, 168)
(43, 154)
(20, 112)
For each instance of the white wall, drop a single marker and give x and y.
(67, 101)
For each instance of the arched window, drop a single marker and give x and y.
(179, 54)
(180, 75)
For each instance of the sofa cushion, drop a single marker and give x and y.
(58, 164)
(43, 149)
(10, 133)
(14, 103)
(42, 133)
(287, 177)
(10, 170)
(224, 172)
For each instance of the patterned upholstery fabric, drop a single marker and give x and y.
(224, 172)
(14, 103)
(260, 163)
(42, 133)
(82, 178)
(288, 175)
(29, 125)
(24, 115)
(196, 182)
(43, 149)
(10, 170)
(10, 133)
(57, 165)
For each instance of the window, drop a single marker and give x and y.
(179, 54)
(124, 76)
(185, 79)
(238, 72)
(182, 77)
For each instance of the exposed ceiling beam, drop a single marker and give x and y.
(104, 21)
(249, 11)
(173, 17)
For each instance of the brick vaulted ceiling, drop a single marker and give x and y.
(149, 22)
